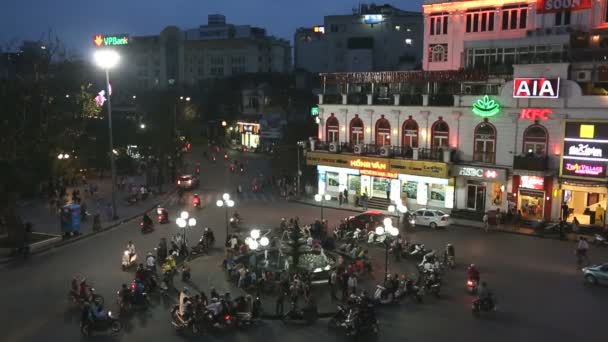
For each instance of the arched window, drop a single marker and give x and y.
(440, 134)
(438, 53)
(535, 140)
(356, 130)
(484, 148)
(332, 129)
(383, 131)
(410, 133)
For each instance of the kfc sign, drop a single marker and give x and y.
(548, 6)
(536, 88)
(534, 114)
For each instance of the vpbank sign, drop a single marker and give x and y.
(110, 40)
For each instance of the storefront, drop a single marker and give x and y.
(583, 179)
(533, 196)
(249, 134)
(417, 183)
(480, 188)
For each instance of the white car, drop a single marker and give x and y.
(432, 218)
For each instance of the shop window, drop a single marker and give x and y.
(356, 130)
(485, 143)
(333, 180)
(437, 192)
(410, 134)
(440, 134)
(332, 129)
(410, 189)
(535, 141)
(354, 184)
(531, 204)
(476, 196)
(383, 131)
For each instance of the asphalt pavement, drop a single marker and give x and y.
(540, 291)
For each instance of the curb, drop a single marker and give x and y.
(81, 237)
(325, 207)
(280, 317)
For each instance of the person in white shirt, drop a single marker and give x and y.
(581, 250)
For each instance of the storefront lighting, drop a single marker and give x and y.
(548, 198)
(502, 188)
(343, 129)
(423, 133)
(395, 131)
(368, 130)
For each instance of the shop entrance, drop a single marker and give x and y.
(380, 186)
(476, 196)
(584, 206)
(531, 203)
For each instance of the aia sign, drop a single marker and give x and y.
(536, 88)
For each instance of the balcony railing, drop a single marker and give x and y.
(484, 157)
(405, 152)
(530, 163)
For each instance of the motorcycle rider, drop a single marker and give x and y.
(140, 273)
(473, 273)
(125, 295)
(196, 200)
(236, 216)
(208, 237)
(147, 221)
(150, 262)
(161, 252)
(483, 295)
(449, 253)
(83, 289)
(131, 250)
(184, 297)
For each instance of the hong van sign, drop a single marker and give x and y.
(536, 88)
(548, 6)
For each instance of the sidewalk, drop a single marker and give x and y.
(505, 228)
(45, 219)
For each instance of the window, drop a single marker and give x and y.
(356, 130)
(439, 24)
(383, 131)
(535, 140)
(332, 129)
(408, 41)
(514, 17)
(438, 52)
(397, 28)
(562, 18)
(333, 28)
(410, 133)
(440, 133)
(480, 20)
(485, 143)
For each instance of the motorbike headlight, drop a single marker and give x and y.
(109, 313)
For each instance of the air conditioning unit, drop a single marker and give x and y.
(583, 76)
(358, 149)
(468, 90)
(334, 147)
(385, 150)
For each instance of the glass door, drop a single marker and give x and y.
(380, 186)
(476, 197)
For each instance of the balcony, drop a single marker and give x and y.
(373, 150)
(484, 157)
(530, 163)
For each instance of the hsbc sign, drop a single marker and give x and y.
(479, 172)
(536, 88)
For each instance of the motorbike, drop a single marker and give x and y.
(600, 240)
(348, 319)
(109, 322)
(194, 323)
(471, 286)
(203, 247)
(308, 315)
(409, 289)
(163, 216)
(127, 261)
(384, 296)
(131, 302)
(416, 251)
(339, 317)
(76, 299)
(483, 306)
(146, 227)
(433, 285)
(225, 156)
(196, 201)
(255, 188)
(234, 222)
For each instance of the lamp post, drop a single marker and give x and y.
(320, 198)
(389, 231)
(107, 59)
(63, 156)
(398, 209)
(254, 241)
(225, 202)
(301, 144)
(185, 221)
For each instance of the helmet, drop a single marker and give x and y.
(449, 245)
(472, 266)
(206, 229)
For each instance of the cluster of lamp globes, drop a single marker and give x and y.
(319, 197)
(225, 200)
(184, 220)
(398, 206)
(387, 229)
(252, 240)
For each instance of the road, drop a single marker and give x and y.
(540, 291)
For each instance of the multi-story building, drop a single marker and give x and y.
(372, 38)
(528, 139)
(215, 50)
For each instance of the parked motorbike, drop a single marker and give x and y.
(416, 251)
(600, 240)
(432, 285)
(109, 322)
(480, 306)
(127, 261)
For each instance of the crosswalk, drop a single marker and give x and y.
(210, 197)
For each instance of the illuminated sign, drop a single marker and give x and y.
(479, 172)
(536, 88)
(532, 182)
(548, 6)
(584, 150)
(110, 40)
(372, 18)
(535, 114)
(314, 111)
(378, 173)
(587, 131)
(486, 107)
(319, 29)
(584, 169)
(366, 164)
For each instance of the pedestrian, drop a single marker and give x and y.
(333, 279)
(340, 198)
(486, 225)
(279, 304)
(575, 224)
(581, 251)
(388, 193)
(352, 284)
(565, 211)
(345, 196)
(344, 286)
(397, 249)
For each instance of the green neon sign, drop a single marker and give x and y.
(110, 40)
(486, 107)
(314, 111)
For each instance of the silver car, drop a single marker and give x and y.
(596, 274)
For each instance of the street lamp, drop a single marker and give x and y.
(254, 241)
(225, 202)
(301, 144)
(62, 156)
(320, 198)
(142, 125)
(185, 221)
(107, 59)
(388, 231)
(399, 209)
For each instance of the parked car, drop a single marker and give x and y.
(187, 182)
(596, 274)
(432, 218)
(367, 221)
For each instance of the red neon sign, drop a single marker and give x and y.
(491, 174)
(532, 182)
(584, 169)
(535, 114)
(547, 6)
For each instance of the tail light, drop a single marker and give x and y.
(160, 217)
(179, 182)
(133, 287)
(470, 283)
(141, 224)
(227, 318)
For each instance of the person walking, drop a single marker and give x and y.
(581, 251)
(333, 282)
(340, 198)
(279, 307)
(486, 225)
(352, 284)
(345, 196)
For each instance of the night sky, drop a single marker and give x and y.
(76, 21)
